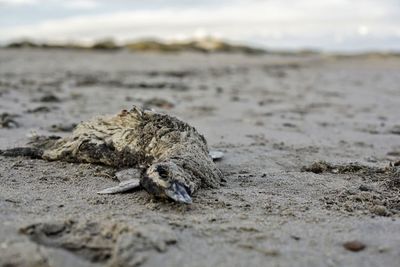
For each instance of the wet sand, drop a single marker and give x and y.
(312, 148)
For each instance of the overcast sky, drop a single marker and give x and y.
(335, 25)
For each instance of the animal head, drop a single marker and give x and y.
(167, 180)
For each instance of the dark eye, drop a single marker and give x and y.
(162, 172)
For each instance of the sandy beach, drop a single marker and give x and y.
(311, 143)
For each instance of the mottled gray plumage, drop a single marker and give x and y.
(173, 155)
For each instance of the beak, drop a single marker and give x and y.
(178, 193)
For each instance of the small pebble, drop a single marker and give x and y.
(354, 246)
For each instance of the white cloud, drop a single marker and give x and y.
(17, 2)
(81, 4)
(76, 4)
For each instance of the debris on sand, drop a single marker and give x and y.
(62, 127)
(102, 80)
(172, 73)
(158, 102)
(40, 109)
(394, 153)
(157, 85)
(395, 129)
(354, 246)
(289, 125)
(380, 198)
(203, 110)
(382, 201)
(7, 120)
(354, 167)
(86, 80)
(134, 248)
(265, 251)
(317, 167)
(49, 98)
(113, 244)
(90, 241)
